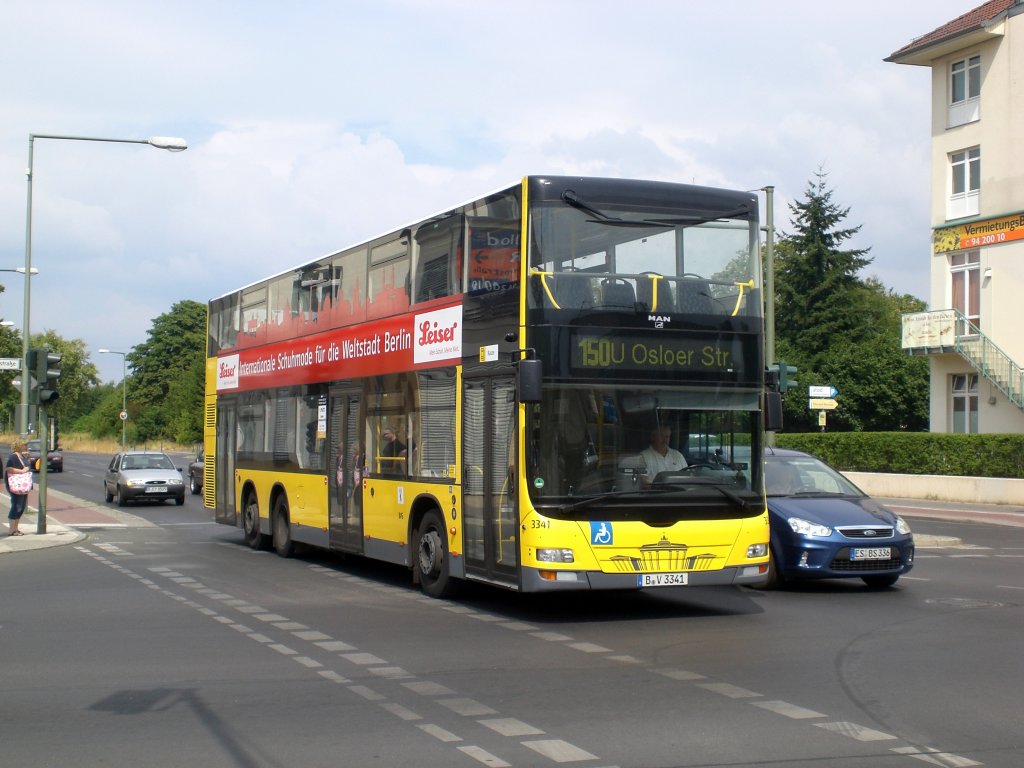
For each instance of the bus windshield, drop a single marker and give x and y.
(643, 259)
(627, 445)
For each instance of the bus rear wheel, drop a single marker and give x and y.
(432, 556)
(283, 544)
(251, 523)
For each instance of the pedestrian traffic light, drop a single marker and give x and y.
(47, 370)
(784, 374)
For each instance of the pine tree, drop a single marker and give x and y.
(816, 277)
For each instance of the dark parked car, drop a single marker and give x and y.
(195, 473)
(143, 476)
(825, 527)
(54, 458)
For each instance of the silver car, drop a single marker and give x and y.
(143, 476)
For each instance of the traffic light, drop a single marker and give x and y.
(47, 369)
(28, 379)
(784, 374)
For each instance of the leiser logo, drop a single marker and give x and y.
(438, 335)
(227, 372)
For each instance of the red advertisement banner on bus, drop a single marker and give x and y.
(392, 345)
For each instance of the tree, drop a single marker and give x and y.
(166, 386)
(815, 278)
(842, 330)
(78, 374)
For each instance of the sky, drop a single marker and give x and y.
(314, 125)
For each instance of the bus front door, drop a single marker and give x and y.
(490, 530)
(347, 466)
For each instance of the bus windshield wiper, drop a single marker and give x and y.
(689, 483)
(571, 198)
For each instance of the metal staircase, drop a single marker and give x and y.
(932, 332)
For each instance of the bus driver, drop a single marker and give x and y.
(660, 456)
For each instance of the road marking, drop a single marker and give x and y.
(559, 751)
(366, 692)
(590, 648)
(854, 731)
(728, 689)
(510, 726)
(399, 711)
(439, 733)
(427, 688)
(787, 709)
(485, 757)
(934, 757)
(467, 707)
(680, 674)
(362, 659)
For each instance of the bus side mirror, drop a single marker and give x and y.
(531, 372)
(772, 411)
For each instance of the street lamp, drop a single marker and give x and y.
(170, 143)
(124, 396)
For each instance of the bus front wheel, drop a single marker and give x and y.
(251, 523)
(432, 556)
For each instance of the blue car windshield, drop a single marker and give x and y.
(797, 475)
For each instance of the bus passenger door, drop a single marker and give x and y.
(224, 468)
(490, 529)
(347, 466)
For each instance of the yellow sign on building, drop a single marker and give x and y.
(976, 234)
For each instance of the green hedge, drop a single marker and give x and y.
(914, 453)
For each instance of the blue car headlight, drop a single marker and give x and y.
(807, 528)
(902, 526)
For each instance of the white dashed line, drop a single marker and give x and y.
(467, 707)
(787, 709)
(559, 751)
(854, 731)
(728, 689)
(439, 733)
(485, 757)
(509, 726)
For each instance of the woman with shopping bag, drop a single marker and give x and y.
(18, 479)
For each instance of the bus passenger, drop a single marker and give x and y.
(660, 456)
(392, 453)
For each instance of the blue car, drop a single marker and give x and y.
(825, 527)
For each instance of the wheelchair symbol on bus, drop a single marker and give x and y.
(601, 533)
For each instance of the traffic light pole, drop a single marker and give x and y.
(44, 451)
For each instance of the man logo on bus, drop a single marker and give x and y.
(601, 533)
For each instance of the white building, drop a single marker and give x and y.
(973, 335)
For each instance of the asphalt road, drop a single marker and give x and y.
(165, 641)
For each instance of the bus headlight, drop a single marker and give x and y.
(757, 550)
(555, 556)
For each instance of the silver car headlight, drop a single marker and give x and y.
(807, 528)
(175, 481)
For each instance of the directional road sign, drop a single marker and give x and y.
(822, 404)
(822, 391)
(10, 363)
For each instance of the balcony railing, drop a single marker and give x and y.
(948, 330)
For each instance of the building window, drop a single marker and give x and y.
(965, 403)
(965, 183)
(965, 91)
(965, 274)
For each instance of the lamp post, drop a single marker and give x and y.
(124, 395)
(170, 143)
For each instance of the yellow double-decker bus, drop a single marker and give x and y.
(557, 386)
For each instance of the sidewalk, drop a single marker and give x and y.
(65, 516)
